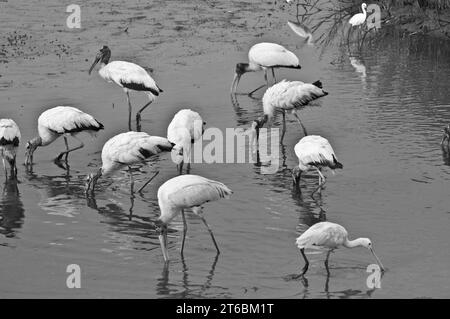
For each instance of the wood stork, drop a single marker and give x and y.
(61, 120)
(287, 96)
(359, 18)
(128, 76)
(264, 56)
(9, 142)
(302, 30)
(183, 192)
(446, 136)
(185, 129)
(124, 150)
(314, 152)
(326, 235)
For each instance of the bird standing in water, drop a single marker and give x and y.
(9, 142)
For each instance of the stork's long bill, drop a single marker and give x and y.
(376, 257)
(163, 242)
(235, 82)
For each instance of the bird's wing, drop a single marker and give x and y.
(131, 76)
(315, 150)
(272, 55)
(322, 234)
(184, 122)
(66, 119)
(198, 193)
(300, 95)
(9, 132)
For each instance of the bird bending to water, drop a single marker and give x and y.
(446, 136)
(124, 150)
(9, 142)
(326, 235)
(314, 152)
(183, 192)
(359, 18)
(184, 130)
(264, 56)
(288, 96)
(128, 76)
(65, 121)
(302, 31)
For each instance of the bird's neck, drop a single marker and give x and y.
(37, 141)
(364, 11)
(353, 243)
(251, 67)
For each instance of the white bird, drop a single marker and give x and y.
(359, 18)
(314, 153)
(184, 130)
(65, 121)
(264, 56)
(124, 150)
(9, 142)
(326, 235)
(183, 192)
(302, 30)
(287, 96)
(128, 76)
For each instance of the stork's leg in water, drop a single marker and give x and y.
(138, 116)
(322, 181)
(273, 75)
(129, 110)
(211, 233)
(284, 126)
(70, 150)
(298, 119)
(184, 231)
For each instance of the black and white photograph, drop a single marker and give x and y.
(248, 151)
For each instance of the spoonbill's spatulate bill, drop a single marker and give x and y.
(124, 150)
(264, 56)
(326, 235)
(288, 96)
(359, 18)
(183, 192)
(314, 153)
(302, 30)
(9, 142)
(185, 129)
(61, 121)
(128, 76)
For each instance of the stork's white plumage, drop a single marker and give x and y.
(124, 150)
(326, 235)
(314, 152)
(288, 96)
(128, 76)
(61, 120)
(184, 130)
(264, 56)
(183, 192)
(359, 18)
(9, 142)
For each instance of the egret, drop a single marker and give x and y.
(326, 235)
(65, 121)
(446, 136)
(314, 153)
(128, 76)
(9, 142)
(183, 192)
(264, 56)
(288, 96)
(302, 31)
(124, 150)
(359, 18)
(184, 130)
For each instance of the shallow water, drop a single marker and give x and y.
(385, 125)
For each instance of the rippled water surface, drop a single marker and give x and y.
(384, 122)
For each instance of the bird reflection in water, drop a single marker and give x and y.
(11, 209)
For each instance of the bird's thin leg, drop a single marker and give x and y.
(131, 181)
(67, 146)
(138, 116)
(180, 168)
(326, 261)
(305, 268)
(4, 167)
(13, 167)
(273, 75)
(184, 231)
(70, 150)
(258, 88)
(129, 111)
(298, 119)
(265, 77)
(188, 167)
(211, 233)
(284, 126)
(322, 181)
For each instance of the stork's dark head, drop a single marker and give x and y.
(103, 55)
(31, 146)
(296, 174)
(241, 68)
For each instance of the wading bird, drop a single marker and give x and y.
(128, 76)
(314, 152)
(184, 130)
(61, 120)
(302, 31)
(359, 18)
(183, 192)
(326, 235)
(446, 136)
(264, 56)
(288, 96)
(9, 142)
(124, 150)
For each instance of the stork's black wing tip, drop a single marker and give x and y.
(318, 84)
